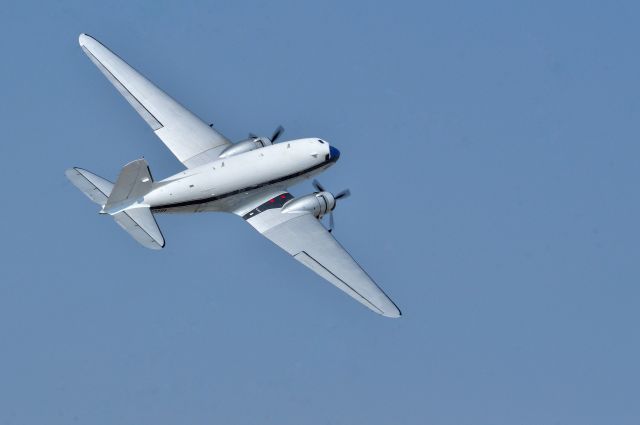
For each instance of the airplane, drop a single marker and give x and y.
(249, 178)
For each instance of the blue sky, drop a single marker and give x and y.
(492, 151)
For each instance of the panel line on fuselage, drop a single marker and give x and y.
(246, 189)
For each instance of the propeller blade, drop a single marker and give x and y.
(277, 133)
(344, 194)
(331, 223)
(318, 186)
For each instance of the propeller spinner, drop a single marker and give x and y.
(340, 195)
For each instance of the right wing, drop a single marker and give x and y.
(191, 140)
(306, 239)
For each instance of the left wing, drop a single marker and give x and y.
(191, 140)
(306, 239)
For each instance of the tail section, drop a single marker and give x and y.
(133, 183)
(142, 226)
(95, 187)
(121, 200)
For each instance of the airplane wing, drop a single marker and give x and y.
(191, 140)
(305, 238)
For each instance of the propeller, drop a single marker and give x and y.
(340, 195)
(344, 194)
(277, 132)
(318, 186)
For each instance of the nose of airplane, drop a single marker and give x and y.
(334, 153)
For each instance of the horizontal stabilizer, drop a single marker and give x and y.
(142, 226)
(96, 188)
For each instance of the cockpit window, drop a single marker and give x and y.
(321, 141)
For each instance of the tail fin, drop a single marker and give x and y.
(121, 200)
(133, 183)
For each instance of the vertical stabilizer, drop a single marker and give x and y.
(133, 183)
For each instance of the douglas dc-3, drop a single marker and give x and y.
(248, 178)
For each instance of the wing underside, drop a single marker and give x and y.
(190, 139)
(305, 238)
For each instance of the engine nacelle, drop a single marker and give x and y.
(317, 204)
(245, 146)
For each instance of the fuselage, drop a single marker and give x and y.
(218, 185)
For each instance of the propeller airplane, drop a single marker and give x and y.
(249, 178)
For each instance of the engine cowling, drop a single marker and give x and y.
(317, 204)
(245, 146)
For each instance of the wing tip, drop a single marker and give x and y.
(392, 313)
(84, 39)
(387, 308)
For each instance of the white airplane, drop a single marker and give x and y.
(249, 178)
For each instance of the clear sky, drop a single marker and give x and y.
(492, 149)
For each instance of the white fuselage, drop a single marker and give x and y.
(219, 185)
